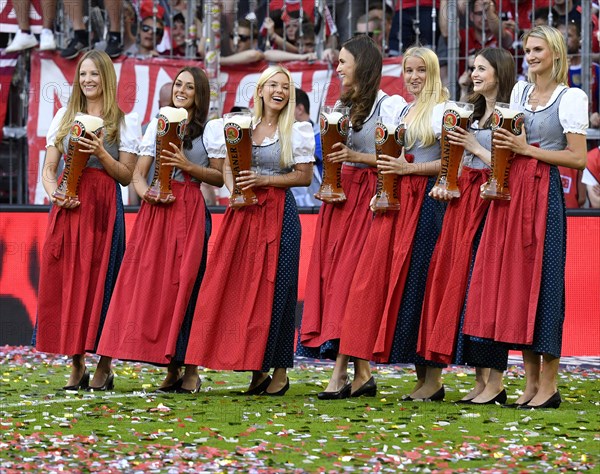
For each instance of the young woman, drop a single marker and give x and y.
(440, 338)
(384, 305)
(343, 227)
(244, 319)
(517, 293)
(85, 239)
(150, 315)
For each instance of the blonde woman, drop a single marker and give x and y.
(517, 291)
(244, 318)
(85, 239)
(384, 305)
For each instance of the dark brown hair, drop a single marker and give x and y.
(199, 111)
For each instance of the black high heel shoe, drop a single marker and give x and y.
(368, 389)
(187, 390)
(170, 388)
(83, 383)
(343, 392)
(260, 388)
(500, 398)
(109, 384)
(279, 393)
(553, 402)
(436, 397)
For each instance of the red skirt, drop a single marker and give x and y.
(155, 283)
(449, 269)
(233, 314)
(506, 280)
(370, 319)
(338, 244)
(73, 268)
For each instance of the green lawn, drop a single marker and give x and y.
(45, 429)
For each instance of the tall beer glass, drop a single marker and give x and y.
(389, 140)
(170, 128)
(75, 161)
(510, 120)
(456, 114)
(334, 129)
(237, 127)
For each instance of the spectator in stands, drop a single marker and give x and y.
(416, 28)
(386, 16)
(305, 195)
(177, 37)
(465, 81)
(245, 49)
(371, 25)
(591, 177)
(150, 34)
(130, 28)
(24, 39)
(305, 48)
(80, 41)
(484, 25)
(346, 14)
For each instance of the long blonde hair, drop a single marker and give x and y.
(285, 121)
(111, 112)
(433, 93)
(555, 41)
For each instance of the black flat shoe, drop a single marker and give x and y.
(109, 384)
(436, 397)
(343, 392)
(553, 402)
(465, 402)
(170, 388)
(500, 398)
(368, 389)
(83, 383)
(194, 390)
(260, 388)
(279, 393)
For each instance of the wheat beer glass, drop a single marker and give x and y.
(170, 128)
(76, 160)
(497, 184)
(456, 114)
(237, 127)
(334, 123)
(389, 140)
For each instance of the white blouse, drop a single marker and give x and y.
(212, 138)
(303, 141)
(572, 110)
(130, 131)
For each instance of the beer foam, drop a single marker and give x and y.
(461, 111)
(333, 117)
(241, 120)
(506, 112)
(174, 114)
(89, 122)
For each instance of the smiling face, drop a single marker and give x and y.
(90, 80)
(178, 33)
(275, 92)
(415, 75)
(484, 78)
(346, 68)
(184, 91)
(538, 55)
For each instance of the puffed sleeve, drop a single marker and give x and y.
(437, 116)
(214, 139)
(131, 132)
(148, 143)
(393, 106)
(303, 142)
(53, 129)
(573, 111)
(517, 94)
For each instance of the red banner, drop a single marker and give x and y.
(139, 82)
(7, 68)
(8, 17)
(22, 237)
